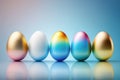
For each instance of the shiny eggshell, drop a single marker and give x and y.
(81, 47)
(59, 46)
(38, 46)
(17, 46)
(102, 46)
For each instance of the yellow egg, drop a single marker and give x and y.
(59, 46)
(17, 46)
(102, 46)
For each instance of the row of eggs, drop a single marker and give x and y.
(59, 47)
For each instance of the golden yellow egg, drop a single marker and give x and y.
(102, 46)
(17, 46)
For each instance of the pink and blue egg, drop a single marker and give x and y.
(80, 46)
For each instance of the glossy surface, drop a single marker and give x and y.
(38, 71)
(103, 70)
(17, 70)
(59, 71)
(17, 46)
(38, 46)
(81, 70)
(69, 70)
(103, 46)
(81, 47)
(59, 46)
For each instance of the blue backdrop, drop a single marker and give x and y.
(70, 16)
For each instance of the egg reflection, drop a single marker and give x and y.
(59, 71)
(59, 46)
(39, 71)
(81, 71)
(103, 71)
(17, 46)
(103, 46)
(17, 71)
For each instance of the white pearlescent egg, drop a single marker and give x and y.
(38, 46)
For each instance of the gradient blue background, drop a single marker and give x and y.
(50, 16)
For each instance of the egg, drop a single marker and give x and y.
(80, 46)
(38, 46)
(17, 46)
(59, 46)
(102, 46)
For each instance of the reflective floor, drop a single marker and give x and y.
(69, 70)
